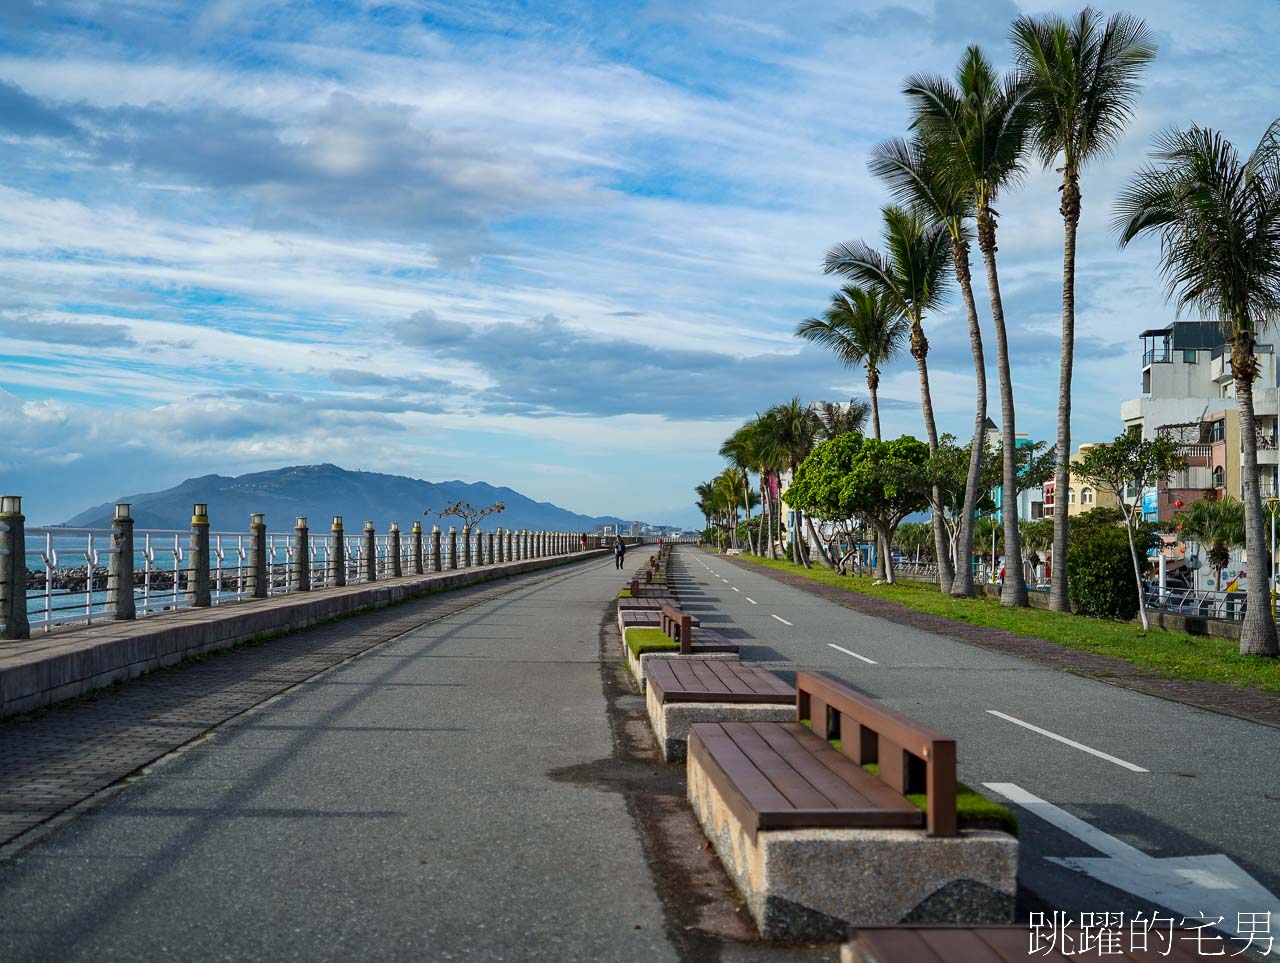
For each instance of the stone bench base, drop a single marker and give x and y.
(636, 666)
(817, 884)
(671, 720)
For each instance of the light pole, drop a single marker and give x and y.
(1273, 505)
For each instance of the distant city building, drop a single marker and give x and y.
(1030, 500)
(1081, 496)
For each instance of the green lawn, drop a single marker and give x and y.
(1172, 654)
(649, 640)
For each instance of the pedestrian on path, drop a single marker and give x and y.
(619, 552)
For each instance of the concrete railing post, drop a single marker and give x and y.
(453, 547)
(198, 557)
(395, 568)
(369, 564)
(502, 555)
(418, 563)
(301, 555)
(511, 542)
(259, 581)
(479, 548)
(436, 560)
(489, 550)
(120, 565)
(339, 558)
(466, 546)
(13, 569)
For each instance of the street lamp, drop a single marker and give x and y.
(1273, 505)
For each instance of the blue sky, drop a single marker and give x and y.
(560, 247)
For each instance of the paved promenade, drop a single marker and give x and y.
(411, 803)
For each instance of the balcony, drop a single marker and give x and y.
(1158, 355)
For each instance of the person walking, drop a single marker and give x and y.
(619, 552)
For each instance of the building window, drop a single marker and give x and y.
(1188, 357)
(1219, 431)
(1086, 496)
(1071, 496)
(1219, 477)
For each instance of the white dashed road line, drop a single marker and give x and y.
(779, 618)
(751, 600)
(1069, 742)
(735, 588)
(841, 648)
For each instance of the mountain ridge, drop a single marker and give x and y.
(318, 492)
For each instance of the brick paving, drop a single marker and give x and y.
(1255, 705)
(55, 758)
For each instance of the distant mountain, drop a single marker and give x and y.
(319, 492)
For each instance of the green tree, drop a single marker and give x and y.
(797, 428)
(976, 129)
(1218, 219)
(838, 419)
(916, 178)
(861, 327)
(1083, 77)
(912, 276)
(1218, 525)
(737, 448)
(881, 481)
(1125, 467)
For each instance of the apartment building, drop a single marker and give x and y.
(1081, 495)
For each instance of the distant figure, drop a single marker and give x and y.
(584, 543)
(619, 552)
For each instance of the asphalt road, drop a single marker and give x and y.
(418, 803)
(1211, 785)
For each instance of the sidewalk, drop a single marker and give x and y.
(401, 806)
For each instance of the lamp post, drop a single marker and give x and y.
(1273, 505)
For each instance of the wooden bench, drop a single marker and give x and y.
(681, 627)
(815, 842)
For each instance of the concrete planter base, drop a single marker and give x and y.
(636, 666)
(671, 721)
(817, 884)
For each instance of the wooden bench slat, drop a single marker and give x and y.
(687, 676)
(706, 677)
(746, 790)
(905, 945)
(716, 680)
(792, 781)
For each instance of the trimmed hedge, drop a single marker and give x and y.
(1100, 575)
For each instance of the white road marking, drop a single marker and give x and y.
(751, 600)
(841, 648)
(1070, 742)
(735, 588)
(1193, 886)
(779, 618)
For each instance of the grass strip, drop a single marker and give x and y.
(1174, 655)
(641, 640)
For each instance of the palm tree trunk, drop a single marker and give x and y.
(1133, 554)
(1059, 600)
(920, 351)
(873, 389)
(1258, 631)
(1014, 590)
(962, 582)
(746, 500)
(815, 540)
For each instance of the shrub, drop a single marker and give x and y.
(1100, 575)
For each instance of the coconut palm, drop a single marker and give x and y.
(838, 419)
(912, 277)
(1218, 525)
(915, 179)
(771, 460)
(1082, 78)
(861, 327)
(737, 448)
(1218, 219)
(976, 128)
(797, 427)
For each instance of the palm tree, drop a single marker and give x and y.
(915, 179)
(912, 277)
(862, 327)
(838, 419)
(1082, 78)
(1218, 525)
(771, 460)
(975, 128)
(797, 430)
(1218, 219)
(737, 448)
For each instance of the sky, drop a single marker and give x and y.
(561, 247)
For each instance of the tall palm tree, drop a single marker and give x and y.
(797, 432)
(976, 129)
(771, 460)
(838, 419)
(1218, 219)
(1082, 78)
(738, 449)
(912, 277)
(915, 179)
(861, 327)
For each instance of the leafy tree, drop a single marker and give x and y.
(1093, 559)
(975, 127)
(911, 276)
(796, 427)
(1218, 525)
(1130, 464)
(881, 481)
(1218, 219)
(1082, 78)
(861, 327)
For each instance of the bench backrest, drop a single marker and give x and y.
(912, 757)
(678, 627)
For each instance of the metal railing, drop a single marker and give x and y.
(1228, 606)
